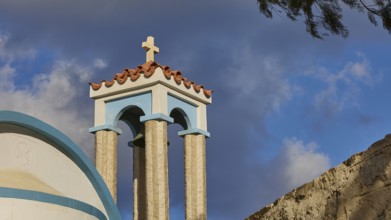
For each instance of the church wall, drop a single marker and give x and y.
(36, 157)
(44, 170)
(21, 209)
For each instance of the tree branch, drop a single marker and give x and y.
(370, 9)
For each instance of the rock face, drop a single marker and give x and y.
(359, 188)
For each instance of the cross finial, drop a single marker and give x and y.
(150, 47)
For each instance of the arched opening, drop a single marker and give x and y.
(176, 176)
(129, 123)
(176, 164)
(180, 117)
(131, 116)
(125, 171)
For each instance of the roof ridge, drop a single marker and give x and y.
(148, 69)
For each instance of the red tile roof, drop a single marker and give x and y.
(148, 69)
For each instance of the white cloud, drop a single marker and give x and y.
(7, 54)
(58, 97)
(359, 70)
(54, 98)
(343, 87)
(259, 80)
(296, 163)
(6, 72)
(301, 162)
(99, 63)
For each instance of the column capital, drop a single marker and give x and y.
(194, 131)
(157, 117)
(106, 127)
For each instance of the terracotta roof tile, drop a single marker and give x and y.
(148, 69)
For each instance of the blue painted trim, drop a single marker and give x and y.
(194, 131)
(189, 110)
(51, 199)
(93, 130)
(115, 108)
(70, 149)
(157, 116)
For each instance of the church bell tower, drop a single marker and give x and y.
(148, 99)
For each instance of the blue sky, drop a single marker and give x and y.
(286, 107)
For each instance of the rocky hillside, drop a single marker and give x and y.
(359, 188)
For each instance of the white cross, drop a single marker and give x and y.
(150, 47)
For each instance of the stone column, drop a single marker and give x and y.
(106, 159)
(195, 177)
(139, 203)
(156, 168)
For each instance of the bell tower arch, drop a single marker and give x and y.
(148, 99)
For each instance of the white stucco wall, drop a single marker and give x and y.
(23, 153)
(19, 209)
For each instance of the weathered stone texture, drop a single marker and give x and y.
(106, 159)
(359, 188)
(156, 170)
(195, 177)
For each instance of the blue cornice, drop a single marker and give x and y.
(93, 130)
(194, 131)
(158, 117)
